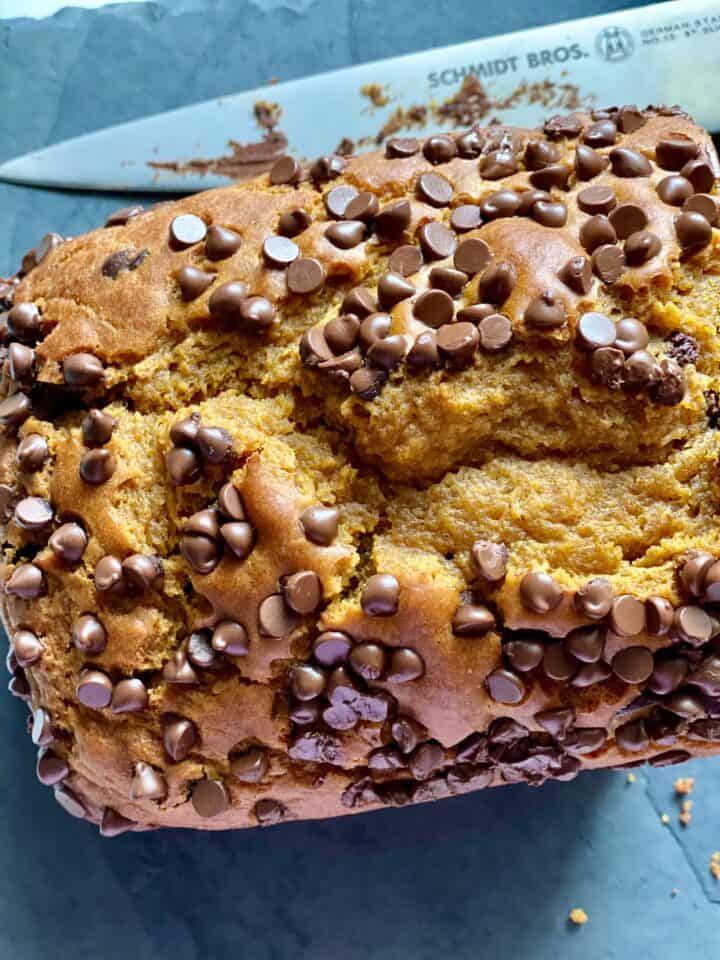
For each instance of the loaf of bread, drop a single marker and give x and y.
(372, 481)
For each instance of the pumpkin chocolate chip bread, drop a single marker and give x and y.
(373, 482)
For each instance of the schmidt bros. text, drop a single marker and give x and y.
(496, 68)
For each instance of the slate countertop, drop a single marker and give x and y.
(485, 876)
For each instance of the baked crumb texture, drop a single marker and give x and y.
(371, 482)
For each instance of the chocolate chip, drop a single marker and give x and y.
(239, 537)
(539, 154)
(627, 162)
(33, 513)
(600, 134)
(24, 321)
(268, 811)
(364, 206)
(122, 260)
(693, 231)
(595, 330)
(700, 174)
(307, 682)
(675, 190)
(393, 220)
(597, 199)
(407, 733)
(7, 501)
(221, 243)
(41, 731)
(523, 655)
(589, 163)
(118, 218)
(627, 616)
(94, 689)
(594, 599)
(556, 722)
(426, 760)
(249, 766)
(497, 283)
(405, 665)
(540, 592)
(577, 275)
(97, 466)
(692, 624)
(472, 256)
(406, 260)
(549, 213)
(627, 219)
(392, 288)
(568, 125)
(380, 595)
(293, 222)
(667, 676)
(386, 354)
(147, 783)
(458, 342)
(285, 170)
(27, 647)
(608, 263)
(113, 823)
(201, 553)
(591, 673)
(465, 217)
(633, 664)
(20, 361)
(684, 704)
(346, 234)
(178, 669)
(70, 802)
(498, 164)
(556, 175)
(424, 352)
(186, 230)
(183, 466)
(670, 388)
(495, 331)
(437, 241)
(597, 231)
(504, 686)
(109, 575)
(305, 276)
(435, 189)
(659, 614)
(440, 148)
(704, 204)
(231, 638)
(528, 199)
(280, 251)
(27, 581)
(303, 591)
(51, 768)
(337, 199)
(209, 798)
(256, 315)
(320, 524)
(14, 411)
(199, 650)
(472, 620)
(586, 643)
(275, 618)
(97, 428)
(672, 153)
(503, 203)
(230, 502)
(193, 282)
(545, 312)
(584, 740)
(558, 663)
(401, 147)
(490, 560)
(641, 247)
(129, 696)
(179, 737)
(89, 635)
(215, 445)
(434, 307)
(327, 168)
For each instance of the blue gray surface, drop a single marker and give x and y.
(477, 878)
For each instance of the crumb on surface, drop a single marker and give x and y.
(715, 864)
(685, 816)
(665, 819)
(631, 778)
(674, 892)
(578, 916)
(376, 94)
(684, 786)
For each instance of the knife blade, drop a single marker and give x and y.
(664, 53)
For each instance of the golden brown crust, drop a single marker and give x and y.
(230, 423)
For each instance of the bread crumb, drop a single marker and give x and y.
(631, 778)
(685, 815)
(578, 916)
(375, 94)
(715, 864)
(674, 892)
(665, 819)
(684, 785)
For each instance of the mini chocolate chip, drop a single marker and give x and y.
(588, 162)
(641, 247)
(497, 283)
(380, 595)
(549, 213)
(225, 301)
(435, 189)
(392, 288)
(672, 153)
(627, 616)
(305, 275)
(27, 647)
(633, 664)
(14, 410)
(27, 581)
(472, 256)
(89, 635)
(393, 220)
(472, 620)
(186, 230)
(586, 643)
(600, 134)
(504, 686)
(675, 190)
(608, 263)
(540, 592)
(627, 162)
(595, 330)
(434, 307)
(626, 219)
(280, 251)
(465, 217)
(275, 618)
(554, 175)
(440, 148)
(437, 241)
(458, 342)
(577, 275)
(545, 312)
(594, 599)
(320, 524)
(423, 353)
(597, 199)
(147, 783)
(558, 663)
(368, 660)
(401, 147)
(705, 204)
(693, 231)
(293, 222)
(285, 170)
(94, 689)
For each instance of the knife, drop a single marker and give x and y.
(663, 53)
